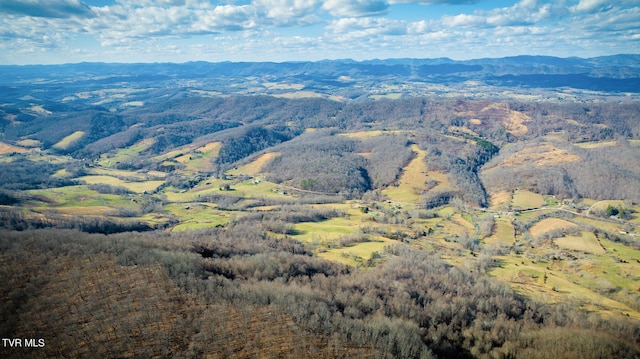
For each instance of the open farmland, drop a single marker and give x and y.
(585, 242)
(548, 225)
(69, 140)
(411, 182)
(134, 186)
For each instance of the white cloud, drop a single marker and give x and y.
(304, 29)
(287, 9)
(588, 5)
(46, 8)
(433, 2)
(463, 20)
(346, 8)
(367, 26)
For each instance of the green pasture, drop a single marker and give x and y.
(585, 242)
(254, 167)
(533, 216)
(199, 161)
(197, 215)
(135, 175)
(501, 201)
(527, 199)
(528, 279)
(69, 140)
(138, 187)
(125, 154)
(601, 206)
(86, 210)
(547, 225)
(602, 224)
(356, 253)
(246, 189)
(502, 233)
(326, 231)
(411, 182)
(81, 196)
(29, 143)
(61, 173)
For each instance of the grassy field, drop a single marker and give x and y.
(325, 232)
(606, 225)
(69, 140)
(6, 148)
(251, 189)
(412, 180)
(125, 154)
(548, 284)
(357, 253)
(255, 167)
(197, 216)
(137, 187)
(86, 210)
(585, 242)
(366, 134)
(502, 234)
(526, 199)
(80, 196)
(550, 224)
(137, 175)
(201, 158)
(28, 143)
(500, 201)
(601, 206)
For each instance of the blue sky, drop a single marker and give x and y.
(64, 31)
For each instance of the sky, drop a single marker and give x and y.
(70, 31)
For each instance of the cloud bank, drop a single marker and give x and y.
(54, 31)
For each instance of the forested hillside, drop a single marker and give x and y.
(236, 293)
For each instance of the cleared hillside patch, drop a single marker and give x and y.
(585, 242)
(255, 167)
(592, 145)
(550, 224)
(27, 142)
(86, 210)
(201, 159)
(412, 180)
(503, 233)
(366, 134)
(527, 199)
(601, 206)
(353, 254)
(127, 154)
(500, 200)
(327, 231)
(536, 281)
(6, 148)
(138, 187)
(80, 196)
(194, 216)
(69, 140)
(602, 224)
(541, 155)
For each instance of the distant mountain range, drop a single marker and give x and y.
(344, 78)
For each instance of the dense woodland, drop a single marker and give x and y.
(235, 293)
